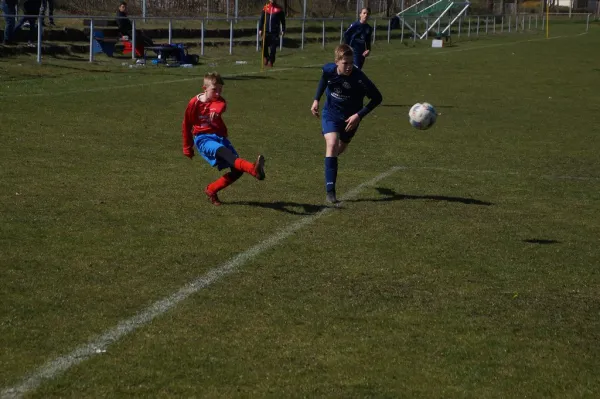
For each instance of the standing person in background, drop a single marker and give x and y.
(30, 7)
(272, 20)
(8, 10)
(49, 5)
(359, 37)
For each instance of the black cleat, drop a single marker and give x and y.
(259, 167)
(331, 197)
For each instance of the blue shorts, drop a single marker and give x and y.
(338, 126)
(208, 144)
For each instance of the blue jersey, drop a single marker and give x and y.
(359, 36)
(346, 94)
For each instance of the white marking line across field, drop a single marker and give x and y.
(129, 86)
(99, 344)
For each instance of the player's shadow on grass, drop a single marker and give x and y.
(541, 241)
(293, 208)
(391, 195)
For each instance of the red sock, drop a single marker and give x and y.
(244, 166)
(224, 181)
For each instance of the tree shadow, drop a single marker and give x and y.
(283, 206)
(391, 195)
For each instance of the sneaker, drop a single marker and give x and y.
(265, 61)
(270, 64)
(212, 197)
(259, 168)
(331, 197)
(29, 44)
(26, 24)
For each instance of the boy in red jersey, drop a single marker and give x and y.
(203, 127)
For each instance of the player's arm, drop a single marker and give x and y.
(368, 41)
(320, 90)
(186, 129)
(374, 96)
(349, 33)
(282, 23)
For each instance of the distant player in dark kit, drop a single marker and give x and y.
(345, 87)
(272, 20)
(359, 36)
(203, 127)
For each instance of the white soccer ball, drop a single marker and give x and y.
(422, 116)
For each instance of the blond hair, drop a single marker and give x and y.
(343, 50)
(213, 78)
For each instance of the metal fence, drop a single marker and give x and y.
(322, 30)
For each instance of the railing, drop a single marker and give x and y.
(469, 25)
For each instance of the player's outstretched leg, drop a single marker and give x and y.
(256, 169)
(227, 179)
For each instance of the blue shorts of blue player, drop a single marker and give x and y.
(209, 144)
(333, 125)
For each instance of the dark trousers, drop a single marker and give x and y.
(270, 49)
(48, 4)
(9, 19)
(32, 36)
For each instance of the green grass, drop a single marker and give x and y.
(471, 272)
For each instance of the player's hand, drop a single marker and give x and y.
(189, 153)
(366, 53)
(260, 33)
(213, 116)
(315, 108)
(352, 122)
(282, 33)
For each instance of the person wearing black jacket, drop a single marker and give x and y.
(126, 27)
(8, 9)
(32, 8)
(272, 20)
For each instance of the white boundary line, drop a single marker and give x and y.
(106, 88)
(99, 344)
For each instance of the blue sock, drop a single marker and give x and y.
(331, 167)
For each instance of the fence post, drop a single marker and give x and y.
(374, 30)
(230, 37)
(257, 36)
(202, 37)
(280, 39)
(389, 28)
(469, 32)
(509, 23)
(133, 39)
(302, 39)
(502, 25)
(39, 38)
(415, 32)
(486, 25)
(477, 26)
(323, 44)
(459, 25)
(91, 39)
(587, 24)
(170, 31)
(402, 32)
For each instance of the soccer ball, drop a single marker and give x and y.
(422, 116)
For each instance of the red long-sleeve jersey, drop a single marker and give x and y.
(197, 120)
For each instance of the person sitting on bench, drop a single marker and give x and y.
(126, 28)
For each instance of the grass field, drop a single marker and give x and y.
(462, 263)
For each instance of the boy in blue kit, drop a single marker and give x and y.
(345, 87)
(359, 37)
